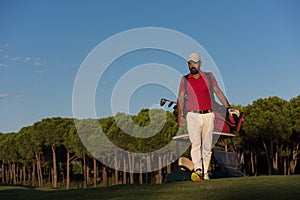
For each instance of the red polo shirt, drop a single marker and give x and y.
(198, 92)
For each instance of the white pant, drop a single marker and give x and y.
(197, 125)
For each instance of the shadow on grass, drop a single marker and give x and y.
(267, 187)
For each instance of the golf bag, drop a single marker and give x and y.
(227, 120)
(182, 171)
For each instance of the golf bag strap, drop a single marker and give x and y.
(211, 87)
(185, 79)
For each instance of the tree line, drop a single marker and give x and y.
(50, 153)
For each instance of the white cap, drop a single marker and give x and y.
(194, 57)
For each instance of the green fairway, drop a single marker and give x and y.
(264, 187)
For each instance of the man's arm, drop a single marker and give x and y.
(180, 103)
(221, 96)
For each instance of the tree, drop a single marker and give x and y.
(37, 139)
(295, 137)
(52, 130)
(25, 149)
(271, 138)
(2, 154)
(268, 122)
(89, 133)
(74, 147)
(10, 156)
(106, 124)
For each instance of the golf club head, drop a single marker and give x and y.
(162, 102)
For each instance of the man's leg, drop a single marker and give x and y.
(208, 128)
(194, 127)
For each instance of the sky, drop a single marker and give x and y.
(43, 45)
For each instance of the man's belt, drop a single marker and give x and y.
(201, 111)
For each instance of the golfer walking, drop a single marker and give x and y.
(195, 104)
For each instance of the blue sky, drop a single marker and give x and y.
(255, 45)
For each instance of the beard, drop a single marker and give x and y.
(194, 71)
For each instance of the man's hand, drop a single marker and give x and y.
(180, 103)
(181, 121)
(221, 96)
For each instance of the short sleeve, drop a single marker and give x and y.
(181, 86)
(214, 81)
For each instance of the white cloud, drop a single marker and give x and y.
(20, 58)
(2, 47)
(20, 96)
(33, 61)
(2, 65)
(27, 59)
(17, 58)
(40, 72)
(38, 62)
(3, 96)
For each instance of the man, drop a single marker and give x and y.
(199, 114)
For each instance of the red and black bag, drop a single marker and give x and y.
(227, 120)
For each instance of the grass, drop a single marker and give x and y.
(264, 187)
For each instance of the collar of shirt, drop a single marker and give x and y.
(201, 74)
